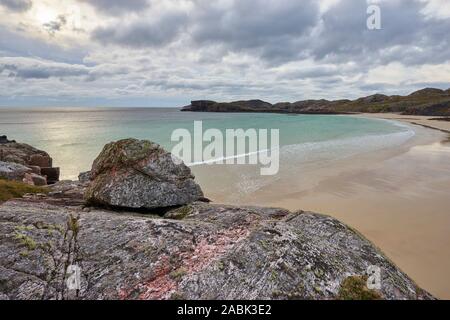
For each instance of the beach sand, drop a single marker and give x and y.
(425, 121)
(399, 198)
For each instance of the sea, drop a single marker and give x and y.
(75, 136)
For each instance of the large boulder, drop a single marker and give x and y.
(13, 171)
(140, 174)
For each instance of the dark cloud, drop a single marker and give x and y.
(17, 5)
(156, 32)
(56, 25)
(117, 7)
(406, 35)
(260, 24)
(27, 68)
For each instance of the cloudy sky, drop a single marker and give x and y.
(167, 52)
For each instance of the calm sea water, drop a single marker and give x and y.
(74, 137)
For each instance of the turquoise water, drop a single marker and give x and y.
(74, 137)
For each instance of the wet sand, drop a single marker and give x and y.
(425, 121)
(399, 198)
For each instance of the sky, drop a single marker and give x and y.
(164, 53)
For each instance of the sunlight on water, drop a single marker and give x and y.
(75, 137)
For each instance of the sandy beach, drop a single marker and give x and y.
(425, 121)
(398, 198)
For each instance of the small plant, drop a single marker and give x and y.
(26, 241)
(179, 273)
(355, 288)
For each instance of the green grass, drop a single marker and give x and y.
(14, 189)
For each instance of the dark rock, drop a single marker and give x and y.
(200, 105)
(210, 252)
(13, 171)
(52, 174)
(84, 177)
(140, 174)
(4, 140)
(39, 160)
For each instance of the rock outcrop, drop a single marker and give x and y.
(140, 174)
(4, 139)
(39, 162)
(203, 251)
(13, 171)
(429, 102)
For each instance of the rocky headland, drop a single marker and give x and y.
(427, 102)
(138, 227)
(22, 162)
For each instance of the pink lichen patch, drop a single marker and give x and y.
(161, 284)
(211, 248)
(206, 250)
(123, 294)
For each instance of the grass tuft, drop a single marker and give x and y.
(14, 189)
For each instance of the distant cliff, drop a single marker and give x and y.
(428, 102)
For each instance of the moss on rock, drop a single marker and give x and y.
(355, 288)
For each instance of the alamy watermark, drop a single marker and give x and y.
(374, 17)
(374, 278)
(236, 146)
(73, 281)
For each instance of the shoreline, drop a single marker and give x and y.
(408, 220)
(396, 197)
(429, 122)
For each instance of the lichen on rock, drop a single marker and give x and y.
(140, 174)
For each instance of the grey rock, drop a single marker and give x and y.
(40, 160)
(35, 169)
(84, 177)
(140, 174)
(19, 152)
(35, 179)
(213, 252)
(13, 171)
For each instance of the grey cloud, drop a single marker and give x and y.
(117, 7)
(31, 68)
(17, 5)
(195, 84)
(270, 29)
(406, 36)
(27, 68)
(19, 44)
(290, 30)
(140, 34)
(56, 25)
(311, 72)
